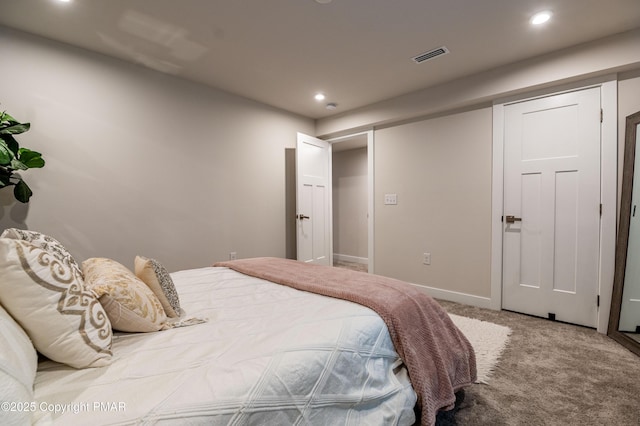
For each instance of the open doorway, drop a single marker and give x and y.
(352, 201)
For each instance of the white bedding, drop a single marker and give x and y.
(269, 355)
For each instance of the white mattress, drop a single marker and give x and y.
(269, 355)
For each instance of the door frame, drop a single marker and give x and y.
(608, 188)
(370, 190)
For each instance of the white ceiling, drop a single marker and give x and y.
(281, 52)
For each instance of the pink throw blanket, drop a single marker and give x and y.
(439, 358)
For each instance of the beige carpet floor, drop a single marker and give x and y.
(552, 374)
(361, 267)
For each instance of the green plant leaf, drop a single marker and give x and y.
(22, 192)
(7, 120)
(5, 176)
(31, 159)
(11, 142)
(15, 129)
(5, 116)
(18, 165)
(5, 154)
(13, 158)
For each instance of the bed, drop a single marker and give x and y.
(253, 344)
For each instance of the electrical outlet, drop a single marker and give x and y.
(426, 258)
(233, 255)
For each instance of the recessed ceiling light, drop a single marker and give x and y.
(320, 96)
(540, 17)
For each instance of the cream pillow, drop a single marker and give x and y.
(154, 275)
(18, 364)
(45, 242)
(129, 303)
(48, 299)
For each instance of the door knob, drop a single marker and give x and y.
(301, 216)
(513, 219)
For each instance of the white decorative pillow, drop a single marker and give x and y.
(18, 364)
(129, 303)
(48, 299)
(45, 242)
(154, 275)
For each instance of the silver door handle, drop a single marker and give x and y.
(513, 219)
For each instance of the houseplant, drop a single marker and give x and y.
(13, 158)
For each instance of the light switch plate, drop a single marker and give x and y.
(390, 199)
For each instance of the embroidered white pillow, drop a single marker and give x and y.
(18, 364)
(48, 299)
(129, 303)
(157, 278)
(45, 242)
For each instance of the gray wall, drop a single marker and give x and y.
(140, 162)
(440, 170)
(434, 148)
(628, 103)
(350, 197)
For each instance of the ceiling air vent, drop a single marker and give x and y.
(423, 57)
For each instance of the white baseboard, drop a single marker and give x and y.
(454, 296)
(347, 258)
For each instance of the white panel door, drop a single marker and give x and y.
(313, 194)
(552, 206)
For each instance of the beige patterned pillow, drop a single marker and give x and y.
(129, 303)
(154, 275)
(48, 299)
(45, 242)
